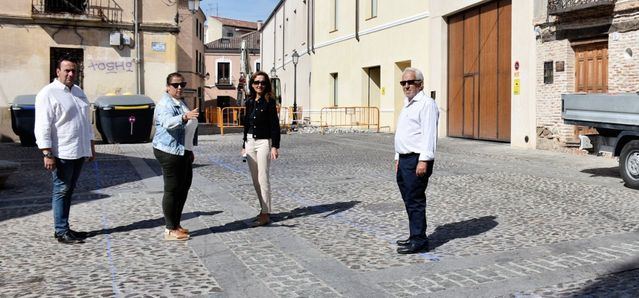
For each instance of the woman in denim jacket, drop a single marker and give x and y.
(173, 143)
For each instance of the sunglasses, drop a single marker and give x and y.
(176, 85)
(263, 83)
(409, 82)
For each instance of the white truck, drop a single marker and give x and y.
(616, 118)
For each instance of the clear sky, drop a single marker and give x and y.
(246, 10)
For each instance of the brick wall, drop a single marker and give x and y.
(623, 69)
(551, 132)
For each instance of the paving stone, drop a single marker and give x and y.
(500, 221)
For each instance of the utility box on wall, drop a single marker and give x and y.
(115, 38)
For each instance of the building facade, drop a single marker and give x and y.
(190, 53)
(582, 46)
(123, 46)
(288, 30)
(228, 70)
(219, 27)
(478, 59)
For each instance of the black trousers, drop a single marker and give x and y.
(413, 190)
(178, 174)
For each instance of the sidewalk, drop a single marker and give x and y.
(502, 222)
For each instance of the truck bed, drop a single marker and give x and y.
(611, 111)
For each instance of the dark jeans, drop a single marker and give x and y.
(413, 190)
(64, 177)
(178, 173)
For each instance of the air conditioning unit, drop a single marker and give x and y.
(115, 38)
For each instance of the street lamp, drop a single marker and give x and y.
(194, 5)
(273, 72)
(296, 58)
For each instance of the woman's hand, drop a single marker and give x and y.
(243, 152)
(274, 153)
(192, 114)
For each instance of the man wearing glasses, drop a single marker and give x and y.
(415, 142)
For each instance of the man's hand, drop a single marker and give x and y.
(274, 153)
(396, 165)
(422, 166)
(92, 158)
(49, 163)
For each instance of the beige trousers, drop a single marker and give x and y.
(258, 158)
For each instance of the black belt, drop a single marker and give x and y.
(407, 155)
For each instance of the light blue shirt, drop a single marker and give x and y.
(170, 131)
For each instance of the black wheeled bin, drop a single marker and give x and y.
(124, 118)
(23, 119)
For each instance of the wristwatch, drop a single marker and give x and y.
(47, 154)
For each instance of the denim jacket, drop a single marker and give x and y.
(169, 128)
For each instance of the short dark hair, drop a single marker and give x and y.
(173, 75)
(65, 57)
(268, 90)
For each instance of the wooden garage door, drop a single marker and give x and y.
(479, 72)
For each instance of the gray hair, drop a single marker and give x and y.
(418, 73)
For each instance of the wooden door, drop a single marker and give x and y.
(591, 68)
(479, 72)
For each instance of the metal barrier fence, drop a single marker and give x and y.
(232, 117)
(289, 119)
(352, 117)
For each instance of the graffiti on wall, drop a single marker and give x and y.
(110, 66)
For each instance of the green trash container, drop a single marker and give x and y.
(124, 118)
(23, 119)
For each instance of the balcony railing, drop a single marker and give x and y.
(556, 7)
(105, 10)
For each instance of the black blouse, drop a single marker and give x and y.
(261, 121)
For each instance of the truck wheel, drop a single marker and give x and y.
(629, 164)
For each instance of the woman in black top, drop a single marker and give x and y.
(261, 140)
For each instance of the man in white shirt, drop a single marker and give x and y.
(415, 142)
(64, 134)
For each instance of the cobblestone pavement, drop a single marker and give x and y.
(503, 222)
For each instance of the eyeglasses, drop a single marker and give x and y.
(176, 85)
(263, 83)
(409, 82)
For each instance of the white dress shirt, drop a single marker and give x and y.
(416, 130)
(62, 121)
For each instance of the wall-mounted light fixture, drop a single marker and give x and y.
(194, 5)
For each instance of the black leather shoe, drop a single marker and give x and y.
(412, 248)
(404, 242)
(68, 238)
(76, 234)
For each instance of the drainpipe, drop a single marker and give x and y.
(308, 28)
(283, 35)
(138, 53)
(357, 20)
(313, 24)
(274, 39)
